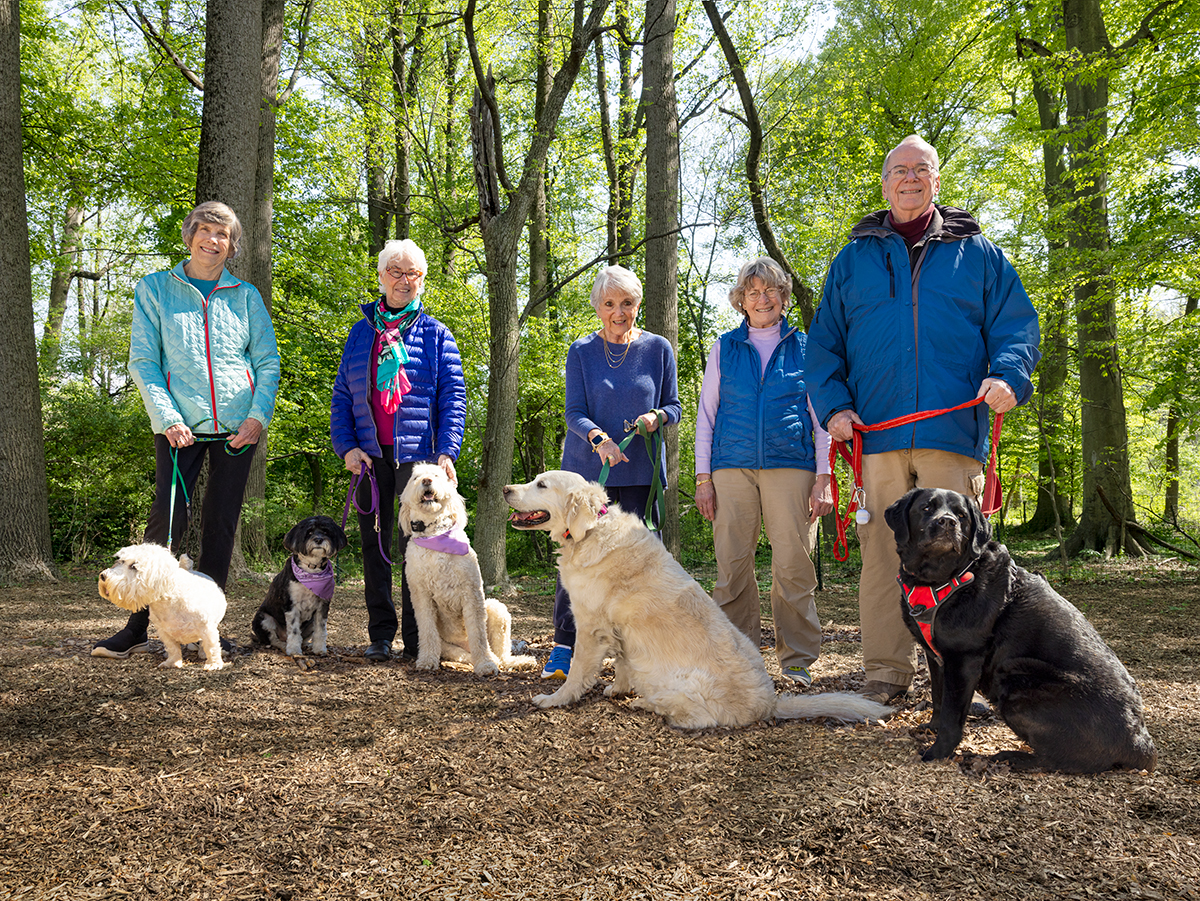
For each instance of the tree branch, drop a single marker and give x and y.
(489, 98)
(154, 39)
(305, 19)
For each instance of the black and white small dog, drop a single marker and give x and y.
(296, 609)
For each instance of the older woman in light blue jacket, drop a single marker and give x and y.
(202, 352)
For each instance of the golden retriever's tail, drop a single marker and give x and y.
(837, 705)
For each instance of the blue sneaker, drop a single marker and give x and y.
(798, 674)
(559, 663)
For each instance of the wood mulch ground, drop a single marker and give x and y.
(336, 778)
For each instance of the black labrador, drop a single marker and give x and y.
(987, 624)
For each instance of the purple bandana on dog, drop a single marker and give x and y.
(452, 542)
(319, 583)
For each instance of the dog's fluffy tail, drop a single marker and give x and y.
(836, 705)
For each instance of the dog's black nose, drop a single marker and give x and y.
(418, 526)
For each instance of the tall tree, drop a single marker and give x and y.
(662, 216)
(501, 223)
(24, 515)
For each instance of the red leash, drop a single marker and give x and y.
(853, 456)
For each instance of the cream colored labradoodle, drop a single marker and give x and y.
(185, 606)
(673, 647)
(454, 620)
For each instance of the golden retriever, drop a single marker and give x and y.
(454, 619)
(673, 646)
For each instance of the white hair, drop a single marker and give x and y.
(615, 278)
(402, 248)
(914, 141)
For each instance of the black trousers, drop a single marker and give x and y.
(220, 510)
(632, 499)
(377, 572)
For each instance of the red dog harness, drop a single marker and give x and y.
(923, 602)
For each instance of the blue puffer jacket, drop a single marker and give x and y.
(431, 417)
(762, 420)
(892, 338)
(208, 363)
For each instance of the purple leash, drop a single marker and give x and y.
(352, 497)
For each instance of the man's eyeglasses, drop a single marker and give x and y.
(411, 274)
(921, 171)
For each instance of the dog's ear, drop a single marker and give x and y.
(896, 516)
(405, 516)
(583, 508)
(458, 507)
(981, 529)
(339, 536)
(293, 541)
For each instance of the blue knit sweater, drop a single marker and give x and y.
(599, 396)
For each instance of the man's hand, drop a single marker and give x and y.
(997, 395)
(840, 428)
(706, 496)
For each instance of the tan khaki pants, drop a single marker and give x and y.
(777, 498)
(889, 653)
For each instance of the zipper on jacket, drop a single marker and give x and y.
(891, 275)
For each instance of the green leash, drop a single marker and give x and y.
(177, 476)
(654, 442)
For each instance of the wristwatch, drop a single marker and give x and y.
(598, 439)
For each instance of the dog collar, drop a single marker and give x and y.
(319, 583)
(923, 601)
(453, 542)
(567, 532)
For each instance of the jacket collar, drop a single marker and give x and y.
(225, 281)
(949, 224)
(742, 332)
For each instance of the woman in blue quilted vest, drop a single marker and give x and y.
(399, 399)
(762, 459)
(202, 352)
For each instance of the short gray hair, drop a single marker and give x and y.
(917, 141)
(615, 278)
(767, 271)
(405, 247)
(215, 213)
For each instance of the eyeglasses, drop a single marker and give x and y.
(411, 274)
(920, 171)
(767, 293)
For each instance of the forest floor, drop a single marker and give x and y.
(333, 777)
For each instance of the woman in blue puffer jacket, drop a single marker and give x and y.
(399, 399)
(202, 352)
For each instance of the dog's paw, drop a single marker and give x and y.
(320, 651)
(558, 699)
(213, 664)
(933, 752)
(486, 668)
(427, 663)
(616, 691)
(294, 650)
(171, 664)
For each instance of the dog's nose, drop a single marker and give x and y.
(426, 482)
(507, 489)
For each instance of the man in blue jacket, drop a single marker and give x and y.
(919, 312)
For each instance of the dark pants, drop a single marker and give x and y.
(632, 499)
(220, 510)
(377, 572)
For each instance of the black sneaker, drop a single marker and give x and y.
(121, 645)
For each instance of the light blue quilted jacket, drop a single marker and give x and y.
(208, 363)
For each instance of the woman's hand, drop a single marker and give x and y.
(447, 464)
(706, 496)
(248, 433)
(610, 452)
(821, 499)
(356, 458)
(649, 420)
(179, 435)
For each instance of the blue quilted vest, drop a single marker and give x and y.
(763, 422)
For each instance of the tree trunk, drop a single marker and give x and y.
(1105, 435)
(662, 217)
(451, 166)
(1175, 419)
(629, 117)
(501, 229)
(405, 75)
(24, 499)
(65, 265)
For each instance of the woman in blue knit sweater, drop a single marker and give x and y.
(619, 373)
